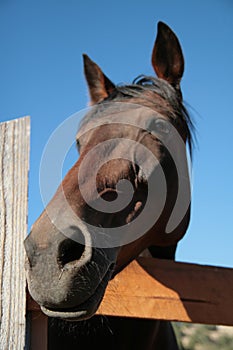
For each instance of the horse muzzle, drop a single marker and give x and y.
(66, 278)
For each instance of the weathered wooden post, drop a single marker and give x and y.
(14, 166)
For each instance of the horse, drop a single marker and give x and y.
(128, 192)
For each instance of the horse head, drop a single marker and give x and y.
(128, 191)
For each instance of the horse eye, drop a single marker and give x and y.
(162, 126)
(159, 127)
(109, 195)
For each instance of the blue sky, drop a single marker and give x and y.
(41, 75)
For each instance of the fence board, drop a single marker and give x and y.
(168, 290)
(14, 165)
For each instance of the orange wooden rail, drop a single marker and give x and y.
(159, 289)
(162, 289)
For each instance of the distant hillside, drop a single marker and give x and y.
(203, 337)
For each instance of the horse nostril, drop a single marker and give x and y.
(69, 252)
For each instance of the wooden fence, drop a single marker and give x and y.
(147, 288)
(14, 165)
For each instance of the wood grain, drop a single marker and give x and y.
(168, 290)
(14, 165)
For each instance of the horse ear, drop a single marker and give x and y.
(167, 56)
(99, 85)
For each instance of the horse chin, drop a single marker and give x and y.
(81, 312)
(86, 309)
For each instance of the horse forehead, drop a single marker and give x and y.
(126, 115)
